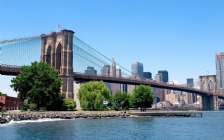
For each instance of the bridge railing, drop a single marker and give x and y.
(9, 66)
(9, 69)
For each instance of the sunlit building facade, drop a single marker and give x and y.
(219, 58)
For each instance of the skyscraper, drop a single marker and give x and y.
(113, 68)
(190, 96)
(118, 72)
(158, 78)
(105, 70)
(159, 92)
(164, 75)
(190, 82)
(219, 58)
(147, 75)
(90, 71)
(114, 73)
(137, 69)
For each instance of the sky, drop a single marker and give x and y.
(180, 36)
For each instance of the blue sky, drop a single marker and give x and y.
(180, 36)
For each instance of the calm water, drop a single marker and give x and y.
(209, 127)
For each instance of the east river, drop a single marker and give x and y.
(208, 127)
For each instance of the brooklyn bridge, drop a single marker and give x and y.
(71, 56)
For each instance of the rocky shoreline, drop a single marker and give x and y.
(23, 116)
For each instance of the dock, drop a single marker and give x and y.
(168, 113)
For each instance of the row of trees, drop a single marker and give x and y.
(2, 94)
(39, 85)
(93, 94)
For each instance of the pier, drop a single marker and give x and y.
(168, 113)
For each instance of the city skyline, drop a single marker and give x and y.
(180, 37)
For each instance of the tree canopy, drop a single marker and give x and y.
(92, 95)
(2, 94)
(121, 101)
(142, 97)
(69, 104)
(39, 84)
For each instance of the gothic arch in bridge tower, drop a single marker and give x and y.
(58, 56)
(48, 54)
(210, 85)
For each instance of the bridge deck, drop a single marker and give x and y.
(80, 77)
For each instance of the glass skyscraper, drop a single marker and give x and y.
(137, 69)
(90, 70)
(190, 96)
(147, 75)
(164, 75)
(219, 58)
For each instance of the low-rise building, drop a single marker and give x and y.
(10, 103)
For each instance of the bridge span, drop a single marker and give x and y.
(82, 77)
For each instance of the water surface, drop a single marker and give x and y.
(208, 127)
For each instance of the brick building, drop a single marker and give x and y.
(10, 103)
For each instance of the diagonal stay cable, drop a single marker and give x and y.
(91, 55)
(100, 53)
(87, 59)
(18, 39)
(95, 58)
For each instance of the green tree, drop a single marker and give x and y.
(69, 104)
(92, 95)
(2, 94)
(121, 101)
(39, 84)
(142, 97)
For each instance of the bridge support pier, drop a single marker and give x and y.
(67, 86)
(210, 102)
(215, 102)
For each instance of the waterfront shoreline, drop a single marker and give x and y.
(6, 117)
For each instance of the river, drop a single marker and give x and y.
(208, 127)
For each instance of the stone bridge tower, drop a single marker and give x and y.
(57, 50)
(208, 83)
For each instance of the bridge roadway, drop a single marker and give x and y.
(81, 77)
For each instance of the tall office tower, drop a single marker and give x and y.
(159, 93)
(118, 72)
(137, 69)
(190, 96)
(164, 75)
(219, 58)
(113, 68)
(90, 71)
(105, 70)
(147, 75)
(114, 73)
(158, 78)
